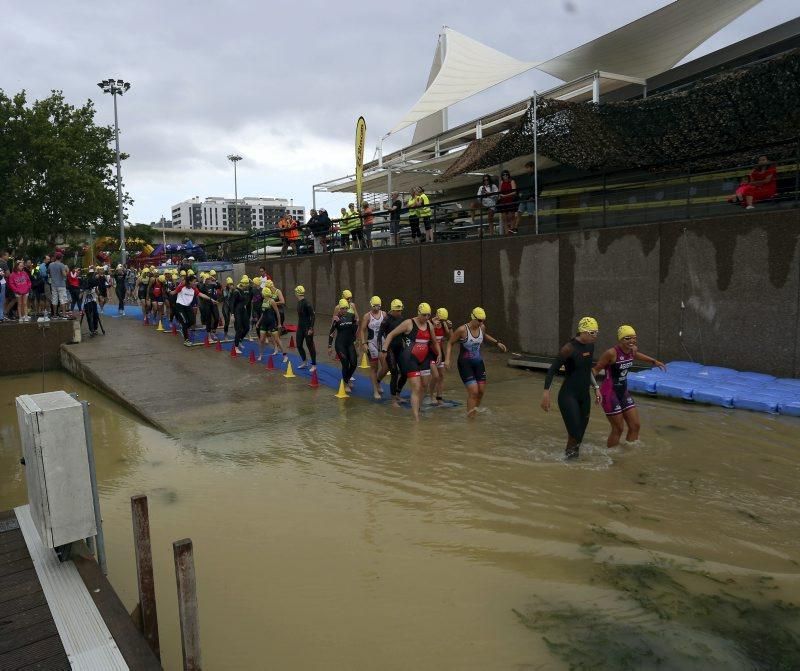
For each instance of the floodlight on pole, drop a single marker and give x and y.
(117, 87)
(235, 158)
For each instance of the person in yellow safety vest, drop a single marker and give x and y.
(413, 216)
(344, 228)
(356, 226)
(424, 205)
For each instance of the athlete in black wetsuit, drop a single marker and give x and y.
(227, 304)
(344, 326)
(305, 328)
(240, 306)
(573, 398)
(119, 286)
(390, 359)
(211, 319)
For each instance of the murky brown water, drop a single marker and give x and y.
(346, 537)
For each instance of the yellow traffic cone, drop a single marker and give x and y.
(289, 372)
(364, 361)
(342, 393)
(160, 326)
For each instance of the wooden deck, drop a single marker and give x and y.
(57, 616)
(28, 635)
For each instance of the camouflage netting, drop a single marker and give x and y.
(746, 110)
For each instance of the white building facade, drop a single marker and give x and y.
(220, 214)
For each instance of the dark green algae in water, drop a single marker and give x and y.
(666, 617)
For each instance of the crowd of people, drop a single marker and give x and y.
(52, 289)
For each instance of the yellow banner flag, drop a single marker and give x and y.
(361, 137)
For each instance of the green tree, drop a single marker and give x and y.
(56, 172)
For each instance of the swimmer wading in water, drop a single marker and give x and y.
(573, 398)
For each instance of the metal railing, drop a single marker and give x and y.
(605, 201)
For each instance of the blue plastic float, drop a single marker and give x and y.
(716, 385)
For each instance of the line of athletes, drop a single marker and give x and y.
(417, 349)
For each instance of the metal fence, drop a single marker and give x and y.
(604, 201)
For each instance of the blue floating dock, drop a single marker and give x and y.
(716, 385)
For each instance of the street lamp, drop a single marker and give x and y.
(117, 87)
(235, 158)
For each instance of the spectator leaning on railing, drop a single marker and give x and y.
(395, 207)
(487, 192)
(356, 226)
(289, 233)
(413, 216)
(759, 185)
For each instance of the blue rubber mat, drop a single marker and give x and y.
(720, 386)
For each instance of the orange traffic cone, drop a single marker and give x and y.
(291, 342)
(174, 329)
(270, 364)
(206, 342)
(218, 346)
(252, 358)
(233, 352)
(314, 380)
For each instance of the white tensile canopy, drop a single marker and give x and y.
(641, 49)
(468, 67)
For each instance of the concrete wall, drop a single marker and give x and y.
(723, 291)
(25, 348)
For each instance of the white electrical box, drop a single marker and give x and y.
(56, 467)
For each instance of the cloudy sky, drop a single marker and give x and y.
(282, 83)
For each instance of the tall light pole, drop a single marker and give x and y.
(235, 158)
(117, 87)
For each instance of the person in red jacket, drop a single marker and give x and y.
(20, 283)
(759, 185)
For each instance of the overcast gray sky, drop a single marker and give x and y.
(282, 84)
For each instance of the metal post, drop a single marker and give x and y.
(144, 572)
(101, 544)
(235, 196)
(535, 164)
(380, 154)
(187, 604)
(123, 252)
(313, 201)
(596, 88)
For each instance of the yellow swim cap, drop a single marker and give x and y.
(202, 276)
(343, 304)
(397, 304)
(152, 269)
(300, 289)
(229, 280)
(347, 294)
(161, 278)
(244, 280)
(423, 309)
(478, 313)
(266, 293)
(183, 273)
(587, 324)
(625, 331)
(442, 313)
(374, 301)
(269, 283)
(190, 272)
(212, 272)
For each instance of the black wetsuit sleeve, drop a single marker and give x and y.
(334, 324)
(560, 360)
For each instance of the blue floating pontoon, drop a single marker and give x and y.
(721, 386)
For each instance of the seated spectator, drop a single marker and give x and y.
(488, 199)
(759, 185)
